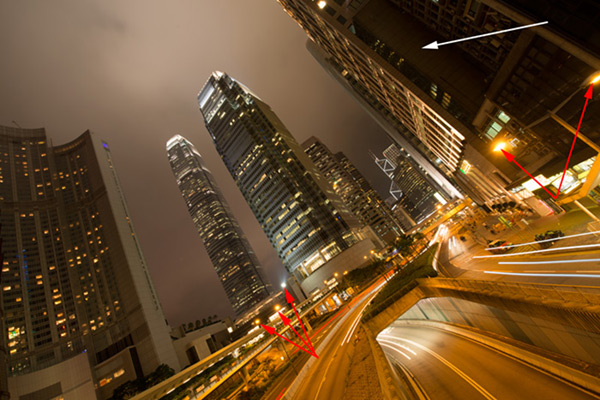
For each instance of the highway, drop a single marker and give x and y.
(326, 378)
(577, 264)
(448, 366)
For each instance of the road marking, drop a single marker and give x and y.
(447, 363)
(583, 246)
(545, 275)
(548, 262)
(325, 375)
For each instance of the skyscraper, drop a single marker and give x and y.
(80, 308)
(354, 190)
(228, 249)
(451, 108)
(305, 221)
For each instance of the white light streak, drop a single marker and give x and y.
(585, 246)
(557, 275)
(546, 240)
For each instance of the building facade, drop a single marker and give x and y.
(227, 246)
(77, 293)
(415, 192)
(354, 190)
(452, 109)
(305, 221)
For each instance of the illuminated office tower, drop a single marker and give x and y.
(452, 109)
(226, 245)
(354, 190)
(80, 311)
(307, 224)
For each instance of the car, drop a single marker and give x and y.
(544, 238)
(498, 246)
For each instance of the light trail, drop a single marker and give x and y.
(548, 240)
(395, 349)
(583, 246)
(548, 262)
(447, 363)
(556, 275)
(397, 344)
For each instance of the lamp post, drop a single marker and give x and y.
(593, 177)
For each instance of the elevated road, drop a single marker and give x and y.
(449, 366)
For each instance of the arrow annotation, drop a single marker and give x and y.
(511, 158)
(435, 45)
(286, 321)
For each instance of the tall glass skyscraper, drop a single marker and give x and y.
(228, 249)
(305, 221)
(81, 313)
(354, 190)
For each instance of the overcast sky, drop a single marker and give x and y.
(130, 71)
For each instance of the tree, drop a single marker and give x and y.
(198, 324)
(190, 327)
(209, 320)
(203, 321)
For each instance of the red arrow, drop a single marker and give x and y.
(287, 322)
(511, 158)
(272, 331)
(290, 300)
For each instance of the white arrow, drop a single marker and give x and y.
(435, 45)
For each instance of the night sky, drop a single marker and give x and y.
(130, 72)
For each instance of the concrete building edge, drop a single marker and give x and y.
(562, 372)
(389, 386)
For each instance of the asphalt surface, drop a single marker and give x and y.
(448, 366)
(567, 266)
(326, 378)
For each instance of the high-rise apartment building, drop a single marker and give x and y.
(451, 108)
(80, 311)
(307, 224)
(354, 190)
(227, 246)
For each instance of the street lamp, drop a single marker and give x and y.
(277, 307)
(283, 285)
(499, 146)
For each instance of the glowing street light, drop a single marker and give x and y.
(500, 146)
(277, 307)
(321, 4)
(283, 285)
(595, 79)
(257, 321)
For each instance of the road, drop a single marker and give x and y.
(578, 266)
(326, 378)
(449, 366)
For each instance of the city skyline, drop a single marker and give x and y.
(137, 101)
